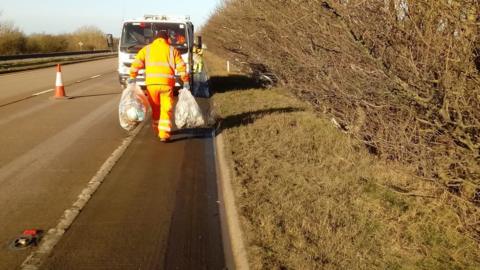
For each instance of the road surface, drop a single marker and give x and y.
(156, 209)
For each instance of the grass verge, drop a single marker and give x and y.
(311, 197)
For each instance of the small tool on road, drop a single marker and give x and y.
(28, 238)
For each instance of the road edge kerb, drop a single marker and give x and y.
(232, 236)
(37, 257)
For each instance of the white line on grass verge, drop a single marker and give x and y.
(53, 236)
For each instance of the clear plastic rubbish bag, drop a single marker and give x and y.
(132, 108)
(187, 111)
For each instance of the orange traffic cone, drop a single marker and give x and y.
(59, 88)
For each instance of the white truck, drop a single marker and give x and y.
(138, 33)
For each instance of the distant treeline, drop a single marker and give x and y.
(13, 41)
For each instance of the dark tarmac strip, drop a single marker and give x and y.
(157, 209)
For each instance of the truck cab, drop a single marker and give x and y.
(138, 33)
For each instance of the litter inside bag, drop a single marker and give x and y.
(187, 111)
(132, 108)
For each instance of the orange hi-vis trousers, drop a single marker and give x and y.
(161, 102)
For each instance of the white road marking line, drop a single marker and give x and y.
(50, 90)
(53, 236)
(43, 92)
(31, 110)
(41, 155)
(93, 77)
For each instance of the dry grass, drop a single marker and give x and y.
(312, 197)
(401, 80)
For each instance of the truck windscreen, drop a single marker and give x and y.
(136, 35)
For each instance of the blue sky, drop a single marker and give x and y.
(56, 16)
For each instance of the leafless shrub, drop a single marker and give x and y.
(11, 38)
(398, 74)
(45, 43)
(429, 55)
(91, 37)
(14, 41)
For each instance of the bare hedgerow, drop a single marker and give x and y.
(399, 75)
(14, 41)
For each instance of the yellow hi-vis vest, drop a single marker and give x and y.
(160, 61)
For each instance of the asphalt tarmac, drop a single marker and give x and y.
(156, 209)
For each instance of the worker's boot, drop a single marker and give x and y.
(164, 140)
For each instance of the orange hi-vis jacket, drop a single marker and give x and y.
(160, 61)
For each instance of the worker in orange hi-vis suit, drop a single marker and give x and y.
(160, 60)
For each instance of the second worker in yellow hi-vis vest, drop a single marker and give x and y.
(160, 60)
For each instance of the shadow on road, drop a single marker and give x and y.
(96, 95)
(191, 133)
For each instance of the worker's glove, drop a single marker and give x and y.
(131, 81)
